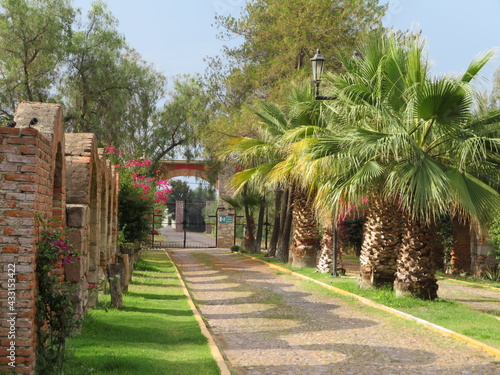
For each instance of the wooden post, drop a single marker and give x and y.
(115, 286)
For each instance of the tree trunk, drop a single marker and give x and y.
(283, 249)
(260, 224)
(305, 241)
(325, 260)
(381, 242)
(250, 225)
(416, 268)
(276, 226)
(460, 252)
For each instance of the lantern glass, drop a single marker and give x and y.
(318, 63)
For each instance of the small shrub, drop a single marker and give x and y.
(235, 248)
(55, 316)
(492, 274)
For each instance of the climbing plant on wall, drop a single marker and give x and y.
(140, 195)
(55, 316)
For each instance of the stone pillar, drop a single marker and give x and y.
(77, 271)
(179, 216)
(225, 227)
(209, 227)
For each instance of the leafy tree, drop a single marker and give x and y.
(279, 37)
(109, 89)
(268, 162)
(179, 123)
(34, 39)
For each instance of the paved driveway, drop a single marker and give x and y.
(268, 323)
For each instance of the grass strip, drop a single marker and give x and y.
(155, 333)
(452, 315)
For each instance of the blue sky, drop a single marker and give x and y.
(176, 35)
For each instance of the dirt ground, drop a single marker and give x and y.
(269, 323)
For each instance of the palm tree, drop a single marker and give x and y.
(410, 146)
(265, 161)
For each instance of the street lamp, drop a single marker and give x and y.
(318, 64)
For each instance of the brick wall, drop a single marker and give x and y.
(35, 184)
(26, 181)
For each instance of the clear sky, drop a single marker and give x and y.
(176, 35)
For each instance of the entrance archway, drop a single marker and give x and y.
(198, 168)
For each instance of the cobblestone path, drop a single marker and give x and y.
(267, 323)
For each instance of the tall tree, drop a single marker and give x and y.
(266, 162)
(109, 89)
(280, 36)
(177, 126)
(34, 40)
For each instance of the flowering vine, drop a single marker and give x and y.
(55, 316)
(140, 194)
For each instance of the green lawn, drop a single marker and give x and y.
(449, 314)
(155, 332)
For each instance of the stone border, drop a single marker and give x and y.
(214, 349)
(445, 331)
(468, 282)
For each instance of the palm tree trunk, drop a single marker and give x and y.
(305, 241)
(416, 268)
(260, 224)
(325, 260)
(250, 225)
(381, 242)
(282, 251)
(276, 226)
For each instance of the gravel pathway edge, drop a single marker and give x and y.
(214, 349)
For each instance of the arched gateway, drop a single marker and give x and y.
(198, 168)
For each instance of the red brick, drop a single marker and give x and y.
(20, 177)
(26, 277)
(21, 140)
(18, 213)
(8, 204)
(30, 168)
(6, 130)
(29, 131)
(10, 249)
(27, 150)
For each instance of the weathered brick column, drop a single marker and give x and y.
(180, 208)
(31, 187)
(84, 184)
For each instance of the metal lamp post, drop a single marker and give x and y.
(318, 65)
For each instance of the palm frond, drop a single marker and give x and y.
(472, 197)
(477, 64)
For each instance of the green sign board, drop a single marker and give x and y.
(226, 219)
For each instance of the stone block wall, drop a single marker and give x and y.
(46, 174)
